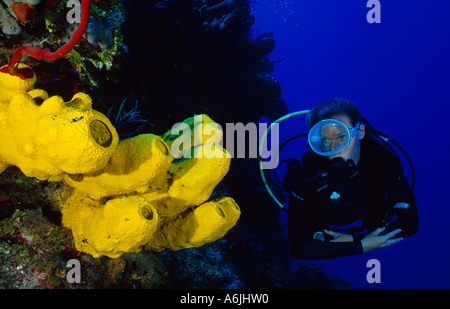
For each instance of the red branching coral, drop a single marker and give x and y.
(46, 54)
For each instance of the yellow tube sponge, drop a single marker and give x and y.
(11, 85)
(206, 223)
(54, 138)
(202, 166)
(139, 164)
(191, 182)
(194, 179)
(119, 226)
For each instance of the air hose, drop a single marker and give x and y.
(262, 143)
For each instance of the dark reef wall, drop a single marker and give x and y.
(191, 57)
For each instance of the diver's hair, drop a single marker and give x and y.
(333, 107)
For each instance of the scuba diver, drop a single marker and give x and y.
(348, 195)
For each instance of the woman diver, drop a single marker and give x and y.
(348, 195)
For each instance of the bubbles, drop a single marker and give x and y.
(286, 10)
(278, 14)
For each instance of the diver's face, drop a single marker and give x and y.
(353, 149)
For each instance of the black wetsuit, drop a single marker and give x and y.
(357, 206)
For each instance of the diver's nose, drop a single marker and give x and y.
(333, 145)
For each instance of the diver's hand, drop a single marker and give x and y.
(374, 241)
(339, 237)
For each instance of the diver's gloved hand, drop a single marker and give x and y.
(341, 170)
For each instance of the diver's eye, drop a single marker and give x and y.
(341, 139)
(326, 141)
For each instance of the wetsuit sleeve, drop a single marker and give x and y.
(302, 225)
(405, 219)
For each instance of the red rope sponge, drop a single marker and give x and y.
(47, 54)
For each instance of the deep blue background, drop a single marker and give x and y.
(398, 73)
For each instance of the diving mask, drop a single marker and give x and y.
(330, 136)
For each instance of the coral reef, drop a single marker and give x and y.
(47, 54)
(48, 27)
(14, 13)
(185, 57)
(97, 32)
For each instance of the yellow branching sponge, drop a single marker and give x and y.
(176, 190)
(119, 196)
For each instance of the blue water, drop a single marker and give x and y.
(398, 73)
